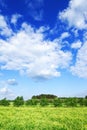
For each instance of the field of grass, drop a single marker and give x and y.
(43, 118)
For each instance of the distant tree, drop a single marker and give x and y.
(72, 102)
(86, 96)
(57, 102)
(44, 102)
(81, 101)
(19, 101)
(48, 96)
(4, 102)
(31, 102)
(85, 101)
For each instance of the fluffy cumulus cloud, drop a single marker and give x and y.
(12, 82)
(30, 53)
(80, 67)
(76, 17)
(15, 18)
(4, 28)
(76, 44)
(64, 35)
(75, 14)
(5, 92)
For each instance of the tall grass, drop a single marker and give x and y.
(39, 118)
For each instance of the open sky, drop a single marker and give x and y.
(43, 48)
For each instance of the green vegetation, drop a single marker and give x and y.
(43, 112)
(31, 102)
(57, 102)
(19, 101)
(44, 100)
(43, 118)
(48, 96)
(4, 102)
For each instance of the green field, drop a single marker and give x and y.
(43, 118)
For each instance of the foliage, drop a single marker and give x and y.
(43, 102)
(48, 100)
(19, 101)
(4, 102)
(48, 118)
(85, 101)
(31, 102)
(48, 96)
(81, 101)
(72, 102)
(86, 97)
(57, 102)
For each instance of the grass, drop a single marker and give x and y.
(43, 118)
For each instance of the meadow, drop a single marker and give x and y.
(43, 118)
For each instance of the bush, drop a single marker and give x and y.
(57, 102)
(81, 101)
(32, 102)
(47, 96)
(19, 101)
(44, 102)
(4, 102)
(85, 101)
(71, 102)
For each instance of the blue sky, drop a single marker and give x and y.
(43, 48)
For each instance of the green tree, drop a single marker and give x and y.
(86, 97)
(47, 96)
(44, 101)
(81, 101)
(57, 102)
(85, 102)
(72, 102)
(31, 102)
(4, 102)
(19, 101)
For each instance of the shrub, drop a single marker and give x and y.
(44, 102)
(19, 101)
(32, 102)
(81, 101)
(4, 102)
(85, 101)
(72, 102)
(57, 102)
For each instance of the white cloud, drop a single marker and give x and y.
(6, 93)
(80, 67)
(75, 32)
(64, 35)
(76, 45)
(4, 28)
(15, 18)
(85, 36)
(12, 82)
(28, 52)
(75, 14)
(4, 90)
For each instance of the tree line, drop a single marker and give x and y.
(45, 100)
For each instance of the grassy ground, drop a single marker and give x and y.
(47, 118)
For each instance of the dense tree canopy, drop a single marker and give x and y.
(48, 96)
(19, 101)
